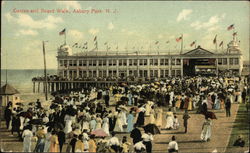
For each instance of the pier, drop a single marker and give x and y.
(66, 85)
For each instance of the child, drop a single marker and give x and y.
(125, 145)
(176, 123)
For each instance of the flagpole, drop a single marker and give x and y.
(181, 43)
(65, 37)
(45, 72)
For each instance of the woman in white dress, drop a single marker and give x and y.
(118, 124)
(105, 125)
(206, 130)
(68, 124)
(98, 122)
(47, 140)
(170, 120)
(152, 116)
(158, 117)
(27, 137)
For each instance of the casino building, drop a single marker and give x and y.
(198, 61)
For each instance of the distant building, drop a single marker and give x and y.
(198, 61)
(246, 68)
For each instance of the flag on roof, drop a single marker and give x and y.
(230, 27)
(95, 38)
(167, 42)
(75, 44)
(86, 43)
(192, 43)
(62, 32)
(235, 33)
(179, 39)
(157, 42)
(221, 43)
(105, 43)
(215, 41)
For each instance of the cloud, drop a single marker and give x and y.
(183, 15)
(210, 24)
(24, 20)
(76, 34)
(160, 36)
(27, 32)
(93, 31)
(111, 26)
(70, 4)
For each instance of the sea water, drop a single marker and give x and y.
(21, 79)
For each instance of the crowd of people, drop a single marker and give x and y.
(90, 120)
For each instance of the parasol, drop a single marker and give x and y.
(152, 128)
(36, 122)
(210, 115)
(123, 108)
(99, 133)
(26, 115)
(20, 104)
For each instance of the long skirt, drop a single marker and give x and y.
(148, 145)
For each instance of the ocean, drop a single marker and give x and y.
(21, 79)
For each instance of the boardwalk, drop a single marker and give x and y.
(189, 142)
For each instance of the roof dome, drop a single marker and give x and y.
(65, 48)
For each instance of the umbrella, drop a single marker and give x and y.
(210, 115)
(32, 103)
(123, 108)
(99, 133)
(152, 128)
(26, 114)
(21, 104)
(124, 98)
(36, 122)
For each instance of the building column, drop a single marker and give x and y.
(182, 67)
(217, 69)
(169, 66)
(97, 68)
(158, 67)
(117, 68)
(77, 68)
(148, 65)
(127, 68)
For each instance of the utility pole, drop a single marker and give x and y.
(45, 72)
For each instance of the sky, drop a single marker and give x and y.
(126, 24)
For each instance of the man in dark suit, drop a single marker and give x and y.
(135, 134)
(228, 107)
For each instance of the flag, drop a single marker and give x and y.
(167, 42)
(62, 32)
(221, 43)
(214, 41)
(179, 39)
(157, 42)
(230, 27)
(86, 43)
(192, 43)
(75, 44)
(105, 43)
(95, 38)
(235, 33)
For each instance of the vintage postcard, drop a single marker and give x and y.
(125, 76)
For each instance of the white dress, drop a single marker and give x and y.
(98, 123)
(27, 136)
(206, 130)
(68, 123)
(158, 117)
(47, 142)
(170, 120)
(152, 117)
(118, 124)
(105, 125)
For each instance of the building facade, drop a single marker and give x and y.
(198, 61)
